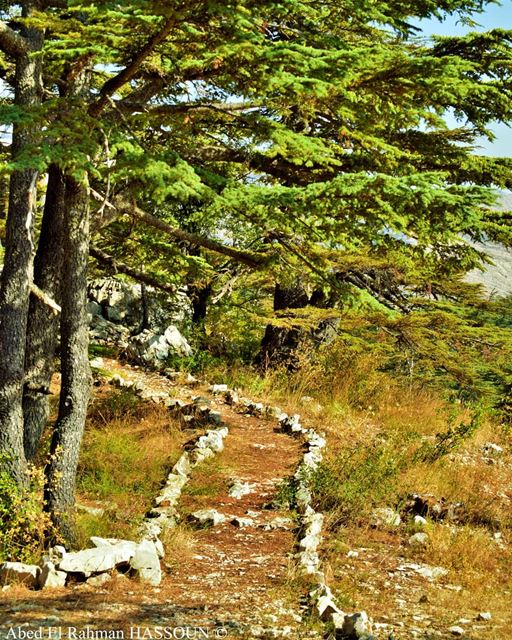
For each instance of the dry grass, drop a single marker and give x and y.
(179, 543)
(128, 448)
(365, 414)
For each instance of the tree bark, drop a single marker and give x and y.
(76, 375)
(43, 325)
(18, 261)
(279, 344)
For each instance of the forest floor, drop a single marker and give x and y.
(227, 581)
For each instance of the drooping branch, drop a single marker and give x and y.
(121, 267)
(185, 107)
(116, 82)
(250, 258)
(11, 42)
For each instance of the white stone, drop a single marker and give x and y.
(50, 578)
(338, 620)
(419, 540)
(19, 573)
(218, 388)
(208, 517)
(103, 558)
(279, 522)
(146, 565)
(99, 580)
(213, 440)
(492, 448)
(420, 521)
(357, 625)
(456, 631)
(484, 615)
(182, 467)
(326, 607)
(239, 489)
(425, 570)
(242, 522)
(117, 381)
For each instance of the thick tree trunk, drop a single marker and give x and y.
(76, 375)
(18, 263)
(279, 344)
(43, 325)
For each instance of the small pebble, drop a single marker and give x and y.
(456, 631)
(484, 615)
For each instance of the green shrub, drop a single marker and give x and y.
(23, 524)
(352, 483)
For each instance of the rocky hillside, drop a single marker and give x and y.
(497, 277)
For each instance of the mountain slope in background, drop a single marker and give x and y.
(497, 277)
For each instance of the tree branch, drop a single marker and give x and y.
(250, 258)
(185, 107)
(45, 298)
(11, 42)
(121, 267)
(124, 76)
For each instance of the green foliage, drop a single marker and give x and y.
(121, 404)
(24, 526)
(449, 440)
(351, 484)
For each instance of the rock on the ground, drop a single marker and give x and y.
(239, 489)
(456, 631)
(218, 388)
(490, 448)
(419, 540)
(50, 577)
(207, 517)
(145, 564)
(279, 522)
(99, 580)
(425, 570)
(241, 523)
(385, 517)
(103, 558)
(152, 348)
(484, 615)
(19, 573)
(357, 627)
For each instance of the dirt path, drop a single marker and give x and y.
(233, 582)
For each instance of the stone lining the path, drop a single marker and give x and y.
(142, 559)
(356, 626)
(139, 559)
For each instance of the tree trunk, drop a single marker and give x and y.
(43, 325)
(279, 344)
(18, 263)
(76, 374)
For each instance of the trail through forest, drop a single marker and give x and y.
(234, 580)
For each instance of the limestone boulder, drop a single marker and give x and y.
(19, 573)
(50, 578)
(145, 564)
